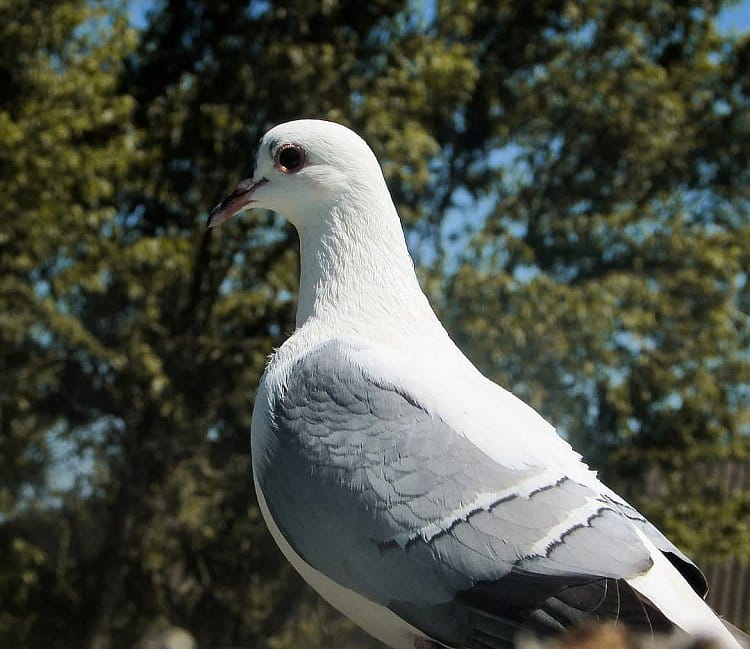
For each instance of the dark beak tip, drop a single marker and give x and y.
(216, 209)
(238, 200)
(219, 206)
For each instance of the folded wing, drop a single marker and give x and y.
(388, 500)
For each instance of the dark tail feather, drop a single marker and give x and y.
(498, 614)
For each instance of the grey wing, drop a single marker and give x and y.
(677, 557)
(387, 500)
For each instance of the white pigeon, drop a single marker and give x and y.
(422, 500)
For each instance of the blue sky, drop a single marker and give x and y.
(735, 18)
(138, 10)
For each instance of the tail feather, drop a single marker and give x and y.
(738, 634)
(666, 589)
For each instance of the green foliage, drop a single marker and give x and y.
(65, 143)
(573, 180)
(611, 275)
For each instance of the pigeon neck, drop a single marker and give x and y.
(357, 276)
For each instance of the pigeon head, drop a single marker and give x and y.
(302, 168)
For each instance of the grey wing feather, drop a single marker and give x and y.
(389, 501)
(677, 557)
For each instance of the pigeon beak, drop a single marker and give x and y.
(238, 200)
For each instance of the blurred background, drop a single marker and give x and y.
(574, 183)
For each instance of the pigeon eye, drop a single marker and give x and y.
(289, 158)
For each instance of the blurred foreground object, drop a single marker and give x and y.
(613, 636)
(172, 638)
